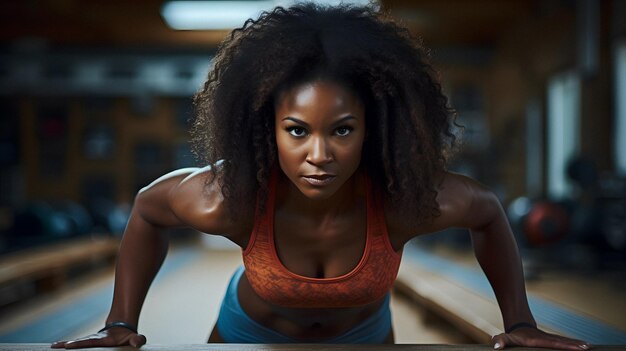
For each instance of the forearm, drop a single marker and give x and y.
(465, 203)
(498, 255)
(142, 251)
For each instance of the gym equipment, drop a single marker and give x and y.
(546, 223)
(595, 216)
(108, 216)
(52, 219)
(538, 222)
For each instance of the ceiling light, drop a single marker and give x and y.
(207, 15)
(189, 15)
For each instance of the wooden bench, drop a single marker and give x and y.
(48, 266)
(474, 314)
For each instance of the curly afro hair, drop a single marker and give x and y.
(408, 119)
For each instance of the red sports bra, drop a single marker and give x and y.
(368, 282)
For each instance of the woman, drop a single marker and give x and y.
(328, 136)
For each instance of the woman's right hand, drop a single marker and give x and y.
(107, 338)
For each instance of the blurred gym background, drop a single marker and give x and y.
(95, 101)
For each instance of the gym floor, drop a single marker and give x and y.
(183, 302)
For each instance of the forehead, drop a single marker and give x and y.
(318, 94)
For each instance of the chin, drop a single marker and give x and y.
(318, 194)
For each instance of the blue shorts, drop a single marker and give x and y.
(235, 326)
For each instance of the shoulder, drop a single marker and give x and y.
(463, 202)
(196, 199)
(194, 196)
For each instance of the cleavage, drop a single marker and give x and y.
(320, 251)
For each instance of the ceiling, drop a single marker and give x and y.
(449, 23)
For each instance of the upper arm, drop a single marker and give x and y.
(181, 199)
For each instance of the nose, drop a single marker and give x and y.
(320, 152)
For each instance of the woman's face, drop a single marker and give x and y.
(320, 128)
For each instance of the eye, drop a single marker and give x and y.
(343, 131)
(298, 132)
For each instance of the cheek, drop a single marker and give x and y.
(282, 143)
(352, 151)
(288, 153)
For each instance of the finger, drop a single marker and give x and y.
(500, 341)
(84, 344)
(578, 344)
(137, 341)
(95, 340)
(559, 342)
(58, 344)
(63, 343)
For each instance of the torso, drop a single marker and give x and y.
(301, 252)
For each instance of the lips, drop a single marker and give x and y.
(319, 179)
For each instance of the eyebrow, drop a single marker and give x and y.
(303, 123)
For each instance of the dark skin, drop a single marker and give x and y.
(320, 226)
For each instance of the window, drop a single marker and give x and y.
(563, 131)
(534, 148)
(620, 110)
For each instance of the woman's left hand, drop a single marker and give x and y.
(533, 337)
